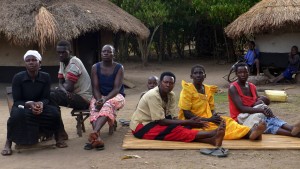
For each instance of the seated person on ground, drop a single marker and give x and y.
(292, 67)
(155, 118)
(152, 82)
(31, 115)
(108, 96)
(243, 96)
(252, 57)
(74, 89)
(197, 100)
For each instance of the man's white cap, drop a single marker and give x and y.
(33, 53)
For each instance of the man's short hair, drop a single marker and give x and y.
(65, 44)
(197, 66)
(241, 64)
(167, 74)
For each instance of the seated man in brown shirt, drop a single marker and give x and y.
(74, 90)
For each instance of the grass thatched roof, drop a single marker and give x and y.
(45, 21)
(267, 16)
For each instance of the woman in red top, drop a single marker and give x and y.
(242, 96)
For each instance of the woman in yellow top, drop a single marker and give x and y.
(197, 99)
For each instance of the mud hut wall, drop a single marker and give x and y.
(12, 55)
(274, 48)
(12, 62)
(277, 43)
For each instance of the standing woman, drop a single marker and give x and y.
(31, 114)
(108, 96)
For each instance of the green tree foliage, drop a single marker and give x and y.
(150, 12)
(181, 25)
(180, 22)
(222, 11)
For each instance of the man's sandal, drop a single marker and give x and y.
(218, 152)
(61, 145)
(88, 146)
(124, 122)
(99, 147)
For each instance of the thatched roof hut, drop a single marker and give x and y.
(275, 26)
(265, 17)
(39, 24)
(46, 21)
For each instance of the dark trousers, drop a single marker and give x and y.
(24, 127)
(60, 98)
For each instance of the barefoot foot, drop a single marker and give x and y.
(7, 149)
(214, 137)
(257, 131)
(296, 129)
(6, 152)
(61, 144)
(220, 134)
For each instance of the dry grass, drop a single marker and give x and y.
(221, 103)
(267, 16)
(39, 21)
(45, 28)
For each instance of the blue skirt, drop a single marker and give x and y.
(273, 124)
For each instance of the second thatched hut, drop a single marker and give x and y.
(275, 27)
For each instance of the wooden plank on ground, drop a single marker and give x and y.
(128, 84)
(268, 142)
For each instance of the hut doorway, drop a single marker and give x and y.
(87, 49)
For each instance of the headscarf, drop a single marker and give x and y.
(33, 53)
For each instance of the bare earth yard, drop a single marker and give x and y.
(76, 157)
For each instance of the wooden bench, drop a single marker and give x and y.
(81, 116)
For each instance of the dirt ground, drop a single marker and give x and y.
(76, 157)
